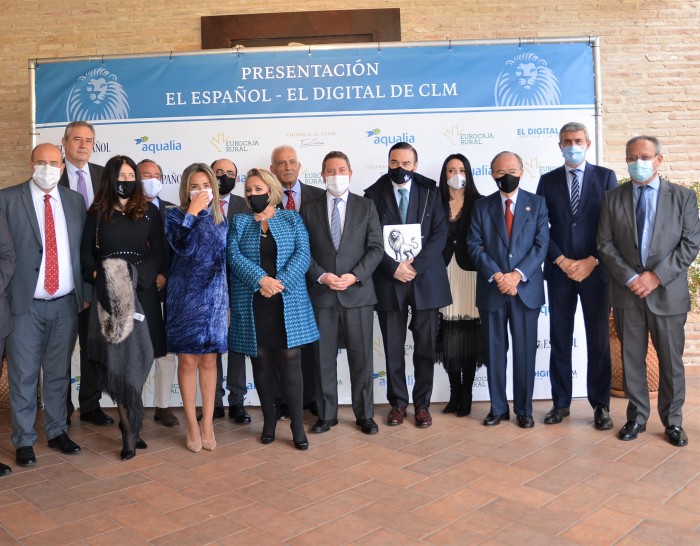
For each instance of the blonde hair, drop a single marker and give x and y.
(185, 189)
(270, 181)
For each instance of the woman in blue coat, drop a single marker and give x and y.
(271, 314)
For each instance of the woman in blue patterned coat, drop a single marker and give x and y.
(271, 314)
(197, 297)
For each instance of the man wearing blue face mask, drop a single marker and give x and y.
(573, 193)
(649, 234)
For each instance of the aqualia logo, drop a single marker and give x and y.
(155, 147)
(97, 95)
(389, 140)
(527, 80)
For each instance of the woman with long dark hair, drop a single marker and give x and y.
(459, 339)
(121, 254)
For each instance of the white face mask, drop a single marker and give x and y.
(46, 176)
(208, 191)
(457, 182)
(338, 184)
(152, 187)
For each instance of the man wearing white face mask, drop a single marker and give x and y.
(342, 291)
(649, 234)
(151, 179)
(574, 193)
(45, 293)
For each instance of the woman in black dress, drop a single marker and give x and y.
(459, 340)
(122, 225)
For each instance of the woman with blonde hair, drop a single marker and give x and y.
(271, 314)
(197, 297)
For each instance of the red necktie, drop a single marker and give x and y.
(291, 205)
(222, 204)
(51, 265)
(509, 217)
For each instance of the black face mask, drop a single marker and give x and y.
(226, 184)
(400, 176)
(124, 189)
(259, 203)
(508, 183)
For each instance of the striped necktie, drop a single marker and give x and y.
(575, 190)
(335, 223)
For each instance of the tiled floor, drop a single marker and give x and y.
(455, 483)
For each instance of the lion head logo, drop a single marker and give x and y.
(526, 80)
(96, 96)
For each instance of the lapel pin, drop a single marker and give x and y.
(527, 209)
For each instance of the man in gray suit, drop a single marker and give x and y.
(649, 234)
(7, 268)
(46, 293)
(342, 291)
(226, 174)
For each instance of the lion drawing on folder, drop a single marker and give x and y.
(404, 251)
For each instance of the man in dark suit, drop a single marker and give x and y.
(84, 177)
(648, 236)
(285, 166)
(342, 291)
(165, 366)
(573, 194)
(45, 293)
(508, 242)
(402, 196)
(7, 268)
(227, 174)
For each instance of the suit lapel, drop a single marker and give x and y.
(563, 188)
(70, 215)
(498, 219)
(520, 216)
(321, 212)
(31, 213)
(392, 207)
(663, 210)
(628, 207)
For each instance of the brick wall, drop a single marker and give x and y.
(650, 57)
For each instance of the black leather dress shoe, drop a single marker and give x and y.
(493, 420)
(525, 421)
(631, 430)
(5, 470)
(63, 443)
(601, 418)
(24, 456)
(239, 414)
(556, 415)
(368, 426)
(323, 425)
(677, 436)
(96, 417)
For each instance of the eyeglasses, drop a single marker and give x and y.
(41, 163)
(230, 174)
(408, 165)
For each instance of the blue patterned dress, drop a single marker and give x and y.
(197, 295)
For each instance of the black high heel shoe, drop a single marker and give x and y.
(267, 438)
(302, 445)
(140, 443)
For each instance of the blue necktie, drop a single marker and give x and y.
(575, 190)
(403, 204)
(335, 223)
(640, 214)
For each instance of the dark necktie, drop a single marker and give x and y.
(509, 218)
(335, 223)
(291, 205)
(51, 264)
(640, 214)
(575, 190)
(403, 204)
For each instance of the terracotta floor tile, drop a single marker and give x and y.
(270, 521)
(217, 486)
(45, 495)
(276, 497)
(472, 529)
(120, 536)
(446, 482)
(66, 475)
(158, 496)
(144, 521)
(340, 531)
(279, 475)
(203, 533)
(386, 537)
(687, 497)
(524, 516)
(656, 532)
(517, 535)
(110, 485)
(115, 467)
(395, 517)
(9, 497)
(375, 489)
(529, 496)
(83, 510)
(331, 485)
(206, 509)
(604, 526)
(544, 459)
(22, 519)
(455, 506)
(432, 464)
(249, 536)
(678, 518)
(331, 508)
(581, 500)
(389, 473)
(70, 532)
(6, 539)
(561, 478)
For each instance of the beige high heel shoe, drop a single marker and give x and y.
(209, 445)
(196, 444)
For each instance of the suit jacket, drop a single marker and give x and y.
(457, 246)
(24, 228)
(236, 205)
(307, 194)
(673, 247)
(574, 237)
(95, 176)
(492, 251)
(243, 258)
(361, 249)
(431, 287)
(7, 268)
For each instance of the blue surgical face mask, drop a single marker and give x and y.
(641, 170)
(573, 155)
